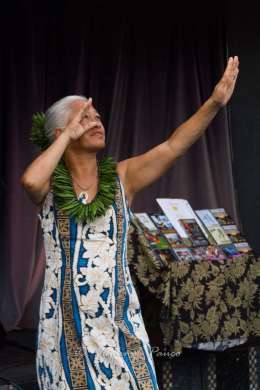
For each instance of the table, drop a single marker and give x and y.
(203, 304)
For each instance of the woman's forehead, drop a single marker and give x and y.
(77, 104)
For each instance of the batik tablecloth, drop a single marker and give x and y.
(199, 301)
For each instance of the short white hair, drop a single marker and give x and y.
(57, 115)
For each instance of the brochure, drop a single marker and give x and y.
(222, 216)
(177, 209)
(213, 227)
(146, 221)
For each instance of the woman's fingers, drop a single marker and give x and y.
(81, 111)
(87, 105)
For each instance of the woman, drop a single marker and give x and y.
(91, 333)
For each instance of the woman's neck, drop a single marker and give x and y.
(81, 165)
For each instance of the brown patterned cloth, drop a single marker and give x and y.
(200, 301)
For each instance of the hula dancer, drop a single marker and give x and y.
(91, 333)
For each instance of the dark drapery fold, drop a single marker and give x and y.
(146, 74)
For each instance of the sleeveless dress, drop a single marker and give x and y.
(91, 333)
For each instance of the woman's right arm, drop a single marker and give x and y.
(36, 178)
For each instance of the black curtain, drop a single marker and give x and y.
(244, 38)
(147, 70)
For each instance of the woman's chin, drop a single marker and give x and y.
(95, 146)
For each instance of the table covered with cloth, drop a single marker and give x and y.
(201, 302)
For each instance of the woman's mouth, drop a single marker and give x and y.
(98, 133)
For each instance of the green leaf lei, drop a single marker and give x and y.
(64, 194)
(67, 200)
(38, 135)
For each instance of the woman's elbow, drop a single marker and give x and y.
(27, 182)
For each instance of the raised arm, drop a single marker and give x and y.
(36, 178)
(140, 171)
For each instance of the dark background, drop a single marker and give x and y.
(148, 67)
(243, 33)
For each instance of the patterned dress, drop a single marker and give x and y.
(91, 333)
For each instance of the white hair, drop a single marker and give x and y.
(58, 114)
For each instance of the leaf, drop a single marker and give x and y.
(38, 134)
(66, 199)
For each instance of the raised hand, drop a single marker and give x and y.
(74, 128)
(225, 87)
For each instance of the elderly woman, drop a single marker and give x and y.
(91, 332)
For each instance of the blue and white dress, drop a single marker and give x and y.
(91, 333)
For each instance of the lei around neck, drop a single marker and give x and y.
(64, 194)
(67, 201)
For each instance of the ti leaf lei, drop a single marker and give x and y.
(67, 200)
(64, 194)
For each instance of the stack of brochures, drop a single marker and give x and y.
(182, 233)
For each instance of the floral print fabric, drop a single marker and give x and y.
(91, 333)
(202, 304)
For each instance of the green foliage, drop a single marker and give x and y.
(38, 135)
(66, 198)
